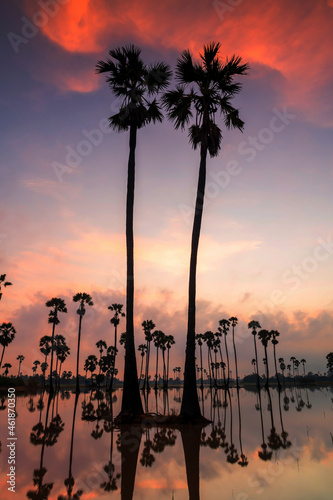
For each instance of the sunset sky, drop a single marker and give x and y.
(266, 248)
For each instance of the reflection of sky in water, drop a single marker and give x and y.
(302, 471)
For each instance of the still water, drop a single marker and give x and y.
(259, 446)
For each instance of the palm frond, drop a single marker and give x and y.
(178, 105)
(158, 77)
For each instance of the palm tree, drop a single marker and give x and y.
(199, 338)
(158, 339)
(219, 334)
(101, 344)
(134, 82)
(45, 345)
(7, 335)
(274, 335)
(303, 361)
(265, 336)
(147, 326)
(142, 349)
(20, 358)
(254, 364)
(211, 90)
(58, 306)
(6, 366)
(225, 324)
(169, 342)
(115, 320)
(234, 322)
(35, 366)
(90, 364)
(82, 298)
(208, 337)
(3, 283)
(254, 326)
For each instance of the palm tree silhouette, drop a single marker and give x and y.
(303, 361)
(254, 326)
(265, 336)
(274, 335)
(82, 298)
(225, 324)
(169, 342)
(20, 358)
(6, 366)
(212, 89)
(130, 79)
(3, 283)
(58, 306)
(234, 322)
(219, 334)
(7, 335)
(45, 345)
(90, 364)
(35, 366)
(199, 338)
(147, 326)
(142, 349)
(158, 338)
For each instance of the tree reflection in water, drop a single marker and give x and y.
(142, 445)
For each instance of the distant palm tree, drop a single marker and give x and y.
(199, 339)
(3, 283)
(101, 345)
(35, 366)
(212, 89)
(208, 337)
(7, 335)
(169, 342)
(225, 324)
(265, 336)
(142, 349)
(254, 364)
(58, 305)
(82, 298)
(130, 79)
(158, 339)
(90, 364)
(254, 326)
(293, 359)
(20, 358)
(45, 345)
(219, 334)
(234, 322)
(6, 366)
(303, 361)
(274, 335)
(148, 326)
(115, 320)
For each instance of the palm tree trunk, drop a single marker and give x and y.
(156, 368)
(201, 384)
(235, 353)
(51, 364)
(223, 367)
(256, 354)
(227, 354)
(167, 375)
(77, 357)
(276, 371)
(131, 401)
(190, 408)
(267, 370)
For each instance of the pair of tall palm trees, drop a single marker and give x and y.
(203, 89)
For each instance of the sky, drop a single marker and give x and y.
(266, 247)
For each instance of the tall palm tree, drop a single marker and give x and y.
(130, 79)
(254, 326)
(82, 298)
(225, 324)
(6, 366)
(158, 339)
(115, 320)
(303, 361)
(45, 345)
(101, 345)
(3, 283)
(211, 90)
(274, 335)
(169, 342)
(20, 358)
(7, 335)
(90, 364)
(58, 305)
(265, 336)
(148, 327)
(199, 338)
(234, 322)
